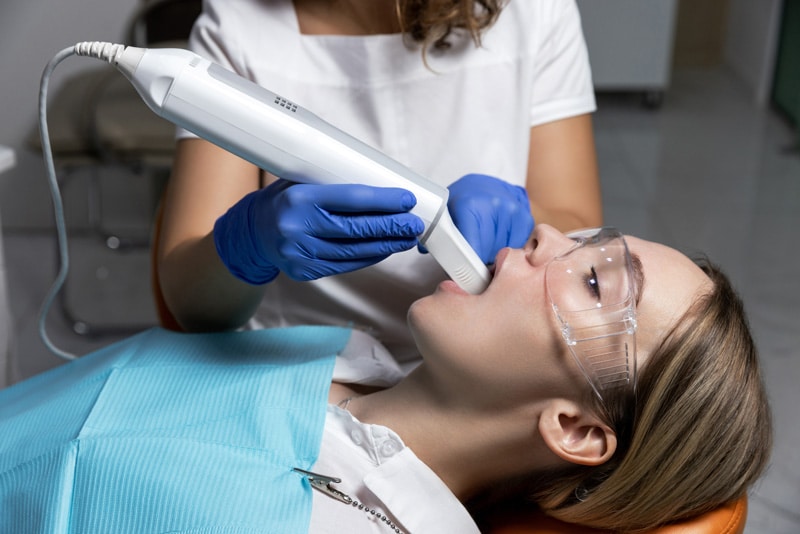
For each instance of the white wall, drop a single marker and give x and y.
(630, 42)
(751, 44)
(31, 33)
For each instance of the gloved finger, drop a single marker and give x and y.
(511, 225)
(490, 213)
(354, 198)
(503, 224)
(331, 225)
(521, 220)
(476, 229)
(342, 250)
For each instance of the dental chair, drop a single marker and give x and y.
(728, 519)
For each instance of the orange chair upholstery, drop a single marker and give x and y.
(728, 519)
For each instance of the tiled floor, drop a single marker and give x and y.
(707, 172)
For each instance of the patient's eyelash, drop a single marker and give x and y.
(593, 283)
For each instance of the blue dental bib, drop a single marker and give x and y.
(169, 432)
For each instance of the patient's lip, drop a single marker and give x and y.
(500, 259)
(452, 287)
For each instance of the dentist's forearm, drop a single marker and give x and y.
(200, 292)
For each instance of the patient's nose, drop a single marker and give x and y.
(547, 243)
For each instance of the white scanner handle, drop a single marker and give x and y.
(289, 141)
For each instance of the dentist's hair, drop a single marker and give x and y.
(696, 434)
(431, 22)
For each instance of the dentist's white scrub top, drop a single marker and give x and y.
(469, 111)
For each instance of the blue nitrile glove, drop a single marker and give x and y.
(490, 213)
(310, 231)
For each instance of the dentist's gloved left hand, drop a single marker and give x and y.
(490, 213)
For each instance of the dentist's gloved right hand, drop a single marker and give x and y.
(490, 213)
(311, 231)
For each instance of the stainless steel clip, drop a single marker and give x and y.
(323, 483)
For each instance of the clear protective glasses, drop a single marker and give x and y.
(592, 289)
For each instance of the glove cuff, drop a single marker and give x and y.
(235, 247)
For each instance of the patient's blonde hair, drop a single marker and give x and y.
(695, 436)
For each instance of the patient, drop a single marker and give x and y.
(610, 381)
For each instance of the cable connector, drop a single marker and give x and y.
(109, 52)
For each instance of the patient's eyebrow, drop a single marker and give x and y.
(638, 277)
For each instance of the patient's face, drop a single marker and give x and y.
(509, 337)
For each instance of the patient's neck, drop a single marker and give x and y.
(468, 446)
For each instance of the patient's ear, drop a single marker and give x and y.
(575, 434)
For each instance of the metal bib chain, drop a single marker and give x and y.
(323, 483)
